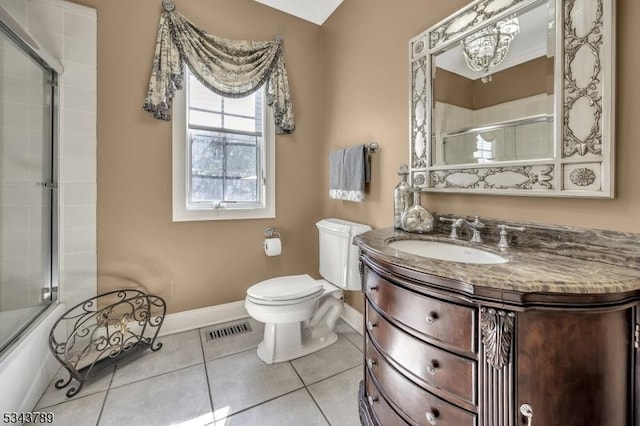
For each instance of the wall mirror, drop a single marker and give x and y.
(515, 97)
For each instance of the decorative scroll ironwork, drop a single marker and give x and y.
(496, 327)
(472, 17)
(591, 91)
(104, 330)
(529, 177)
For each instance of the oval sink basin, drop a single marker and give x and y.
(446, 251)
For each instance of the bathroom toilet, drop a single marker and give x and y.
(300, 312)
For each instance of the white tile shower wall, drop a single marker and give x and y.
(78, 153)
(532, 105)
(451, 118)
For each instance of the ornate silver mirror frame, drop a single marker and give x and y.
(582, 165)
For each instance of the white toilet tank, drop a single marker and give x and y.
(338, 255)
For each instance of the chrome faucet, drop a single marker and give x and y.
(474, 227)
(504, 242)
(454, 226)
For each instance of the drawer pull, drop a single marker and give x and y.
(527, 412)
(371, 362)
(370, 325)
(372, 287)
(432, 367)
(431, 318)
(372, 399)
(432, 417)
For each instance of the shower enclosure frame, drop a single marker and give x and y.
(15, 34)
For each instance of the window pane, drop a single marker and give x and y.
(242, 189)
(206, 189)
(207, 168)
(201, 97)
(208, 119)
(241, 106)
(241, 161)
(207, 155)
(239, 123)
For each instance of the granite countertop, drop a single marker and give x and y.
(528, 270)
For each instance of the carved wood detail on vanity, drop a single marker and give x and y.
(496, 367)
(496, 326)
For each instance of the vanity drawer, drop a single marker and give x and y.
(419, 405)
(440, 369)
(447, 322)
(385, 415)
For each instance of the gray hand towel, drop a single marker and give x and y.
(336, 173)
(355, 172)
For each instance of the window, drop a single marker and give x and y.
(223, 155)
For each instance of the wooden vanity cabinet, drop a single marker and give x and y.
(439, 357)
(574, 367)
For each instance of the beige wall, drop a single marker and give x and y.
(527, 79)
(366, 97)
(196, 264)
(453, 89)
(349, 80)
(521, 81)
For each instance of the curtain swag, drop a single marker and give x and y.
(232, 68)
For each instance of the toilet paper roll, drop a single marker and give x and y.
(273, 246)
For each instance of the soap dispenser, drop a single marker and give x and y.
(417, 218)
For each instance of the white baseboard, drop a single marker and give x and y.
(197, 318)
(353, 317)
(203, 317)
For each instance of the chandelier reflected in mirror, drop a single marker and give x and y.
(486, 49)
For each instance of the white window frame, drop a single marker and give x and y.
(181, 175)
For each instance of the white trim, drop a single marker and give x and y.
(353, 317)
(197, 318)
(313, 11)
(203, 317)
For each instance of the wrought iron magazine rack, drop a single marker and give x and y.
(104, 330)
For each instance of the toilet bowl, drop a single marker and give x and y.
(291, 329)
(299, 311)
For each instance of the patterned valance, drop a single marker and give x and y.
(232, 68)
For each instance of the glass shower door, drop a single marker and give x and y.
(27, 189)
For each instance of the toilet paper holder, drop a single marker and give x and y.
(271, 233)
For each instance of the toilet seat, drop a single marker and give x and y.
(285, 290)
(298, 300)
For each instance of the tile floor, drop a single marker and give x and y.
(193, 382)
